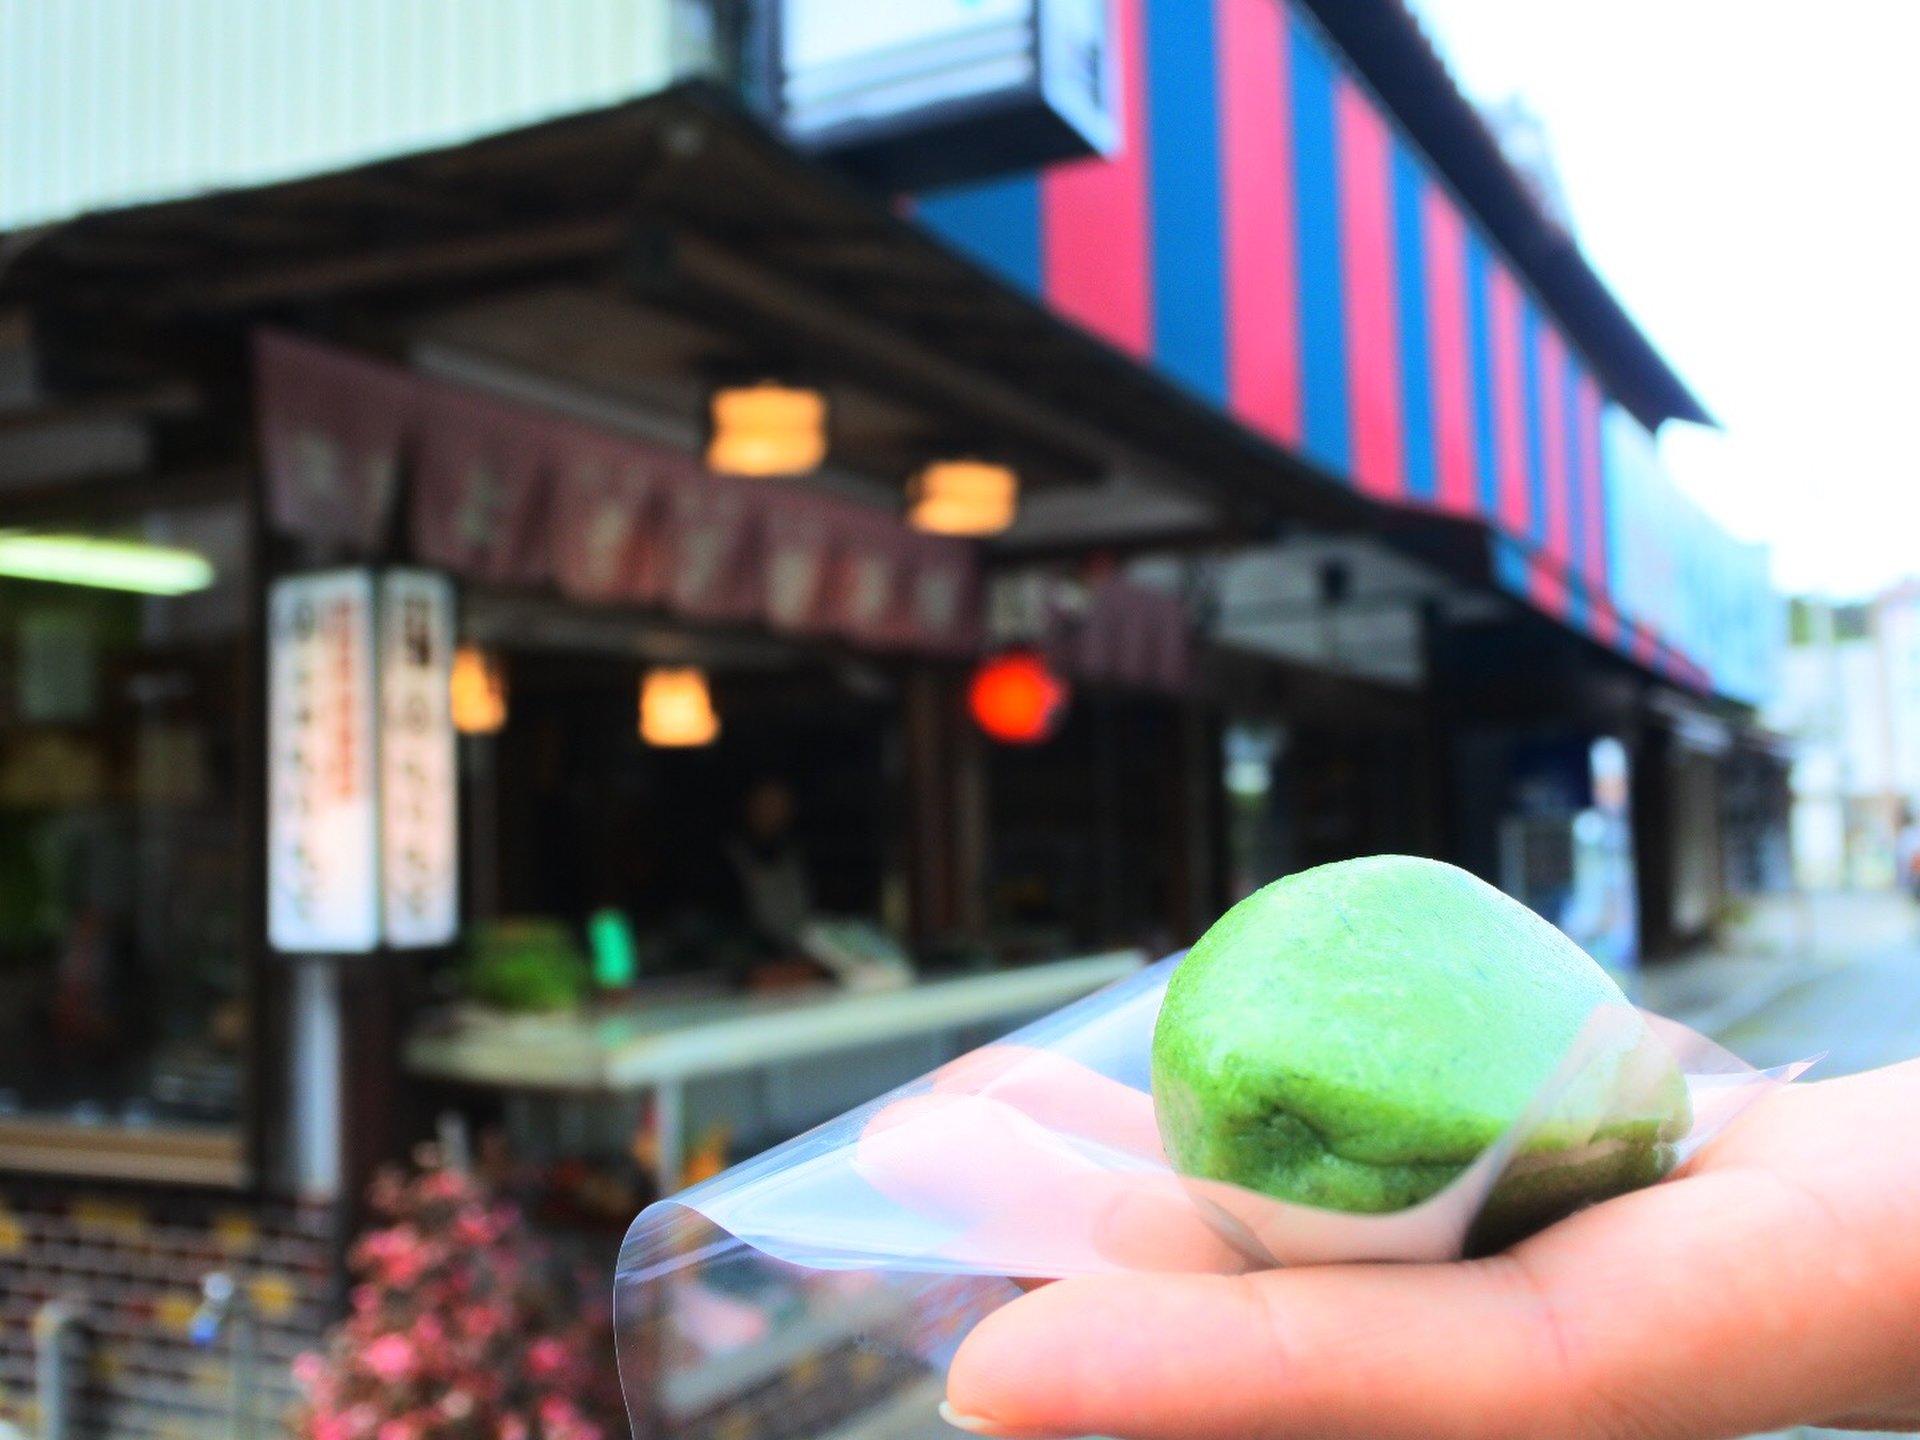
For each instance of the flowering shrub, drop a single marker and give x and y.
(461, 1329)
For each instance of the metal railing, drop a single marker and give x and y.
(56, 1325)
(226, 1311)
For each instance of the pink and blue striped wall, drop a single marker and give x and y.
(1267, 238)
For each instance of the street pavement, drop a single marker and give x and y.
(1863, 1015)
(1802, 975)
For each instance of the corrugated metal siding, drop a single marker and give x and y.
(109, 102)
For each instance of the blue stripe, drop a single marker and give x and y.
(1576, 482)
(1184, 195)
(996, 222)
(1579, 608)
(1416, 362)
(1323, 337)
(1512, 570)
(1480, 352)
(1530, 414)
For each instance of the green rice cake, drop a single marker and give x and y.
(1351, 1037)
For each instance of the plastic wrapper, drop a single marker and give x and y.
(859, 1253)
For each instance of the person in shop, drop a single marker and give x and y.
(767, 890)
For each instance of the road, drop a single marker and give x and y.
(1863, 1013)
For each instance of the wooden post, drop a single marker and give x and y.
(930, 817)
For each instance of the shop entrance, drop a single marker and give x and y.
(573, 817)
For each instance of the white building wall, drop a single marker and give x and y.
(112, 102)
(1853, 707)
(1897, 633)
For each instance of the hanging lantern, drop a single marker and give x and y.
(478, 691)
(1017, 699)
(676, 709)
(963, 497)
(767, 429)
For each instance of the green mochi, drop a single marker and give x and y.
(1352, 1037)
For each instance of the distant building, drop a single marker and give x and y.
(1850, 695)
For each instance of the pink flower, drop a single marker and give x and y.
(443, 1185)
(397, 1255)
(546, 1357)
(483, 1322)
(512, 1427)
(308, 1368)
(405, 1428)
(390, 1357)
(477, 1227)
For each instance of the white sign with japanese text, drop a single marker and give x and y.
(322, 810)
(419, 840)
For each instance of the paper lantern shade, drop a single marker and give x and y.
(963, 497)
(767, 429)
(676, 709)
(1017, 699)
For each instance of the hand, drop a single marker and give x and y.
(1775, 1282)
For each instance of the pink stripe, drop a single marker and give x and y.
(1553, 440)
(1450, 362)
(1547, 586)
(1509, 426)
(1373, 335)
(1093, 217)
(1593, 490)
(1263, 321)
(1605, 622)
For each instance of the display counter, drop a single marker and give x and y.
(659, 1048)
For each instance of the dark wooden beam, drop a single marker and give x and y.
(391, 265)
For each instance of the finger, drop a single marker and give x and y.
(1708, 1307)
(1376, 1351)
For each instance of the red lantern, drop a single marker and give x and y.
(1017, 699)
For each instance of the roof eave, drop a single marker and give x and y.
(1386, 42)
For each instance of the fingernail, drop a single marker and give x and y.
(980, 1425)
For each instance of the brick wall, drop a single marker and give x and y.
(133, 1260)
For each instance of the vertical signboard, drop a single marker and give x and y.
(362, 839)
(419, 846)
(322, 811)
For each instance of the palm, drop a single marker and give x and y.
(1775, 1282)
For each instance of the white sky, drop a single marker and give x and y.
(1746, 175)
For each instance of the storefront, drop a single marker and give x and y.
(418, 717)
(413, 728)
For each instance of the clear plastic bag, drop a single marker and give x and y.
(881, 1236)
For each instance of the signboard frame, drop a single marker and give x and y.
(1027, 120)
